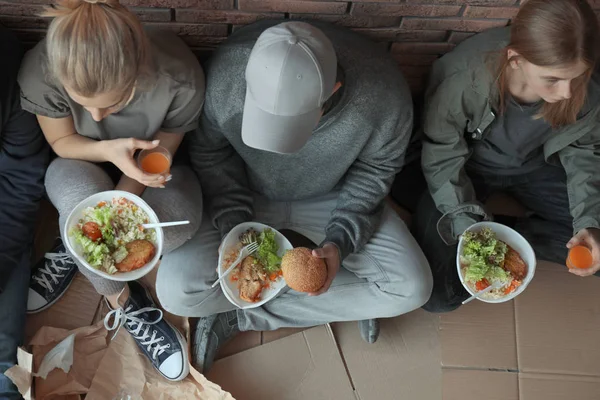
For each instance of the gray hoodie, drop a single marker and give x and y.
(357, 148)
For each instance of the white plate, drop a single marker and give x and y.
(76, 250)
(514, 240)
(230, 289)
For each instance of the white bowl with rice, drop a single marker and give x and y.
(131, 217)
(511, 238)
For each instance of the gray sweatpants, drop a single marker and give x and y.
(68, 182)
(388, 277)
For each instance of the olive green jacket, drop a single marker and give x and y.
(459, 109)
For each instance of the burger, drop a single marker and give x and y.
(302, 271)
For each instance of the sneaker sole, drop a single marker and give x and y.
(53, 301)
(182, 342)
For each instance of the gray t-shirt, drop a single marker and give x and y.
(514, 143)
(170, 102)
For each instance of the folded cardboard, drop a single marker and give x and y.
(307, 365)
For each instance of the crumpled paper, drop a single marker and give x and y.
(60, 356)
(20, 374)
(89, 346)
(125, 373)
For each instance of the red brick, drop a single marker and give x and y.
(353, 21)
(457, 37)
(490, 12)
(398, 35)
(192, 29)
(421, 48)
(21, 9)
(152, 14)
(202, 41)
(452, 24)
(473, 2)
(414, 59)
(415, 10)
(303, 7)
(223, 17)
(200, 4)
(421, 36)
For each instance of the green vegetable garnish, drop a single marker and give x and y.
(267, 251)
(483, 255)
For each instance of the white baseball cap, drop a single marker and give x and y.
(290, 74)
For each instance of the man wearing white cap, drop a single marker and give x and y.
(304, 128)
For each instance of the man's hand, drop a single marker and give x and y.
(331, 254)
(589, 237)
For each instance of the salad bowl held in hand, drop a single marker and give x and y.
(494, 254)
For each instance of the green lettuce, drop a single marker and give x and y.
(267, 251)
(94, 252)
(483, 255)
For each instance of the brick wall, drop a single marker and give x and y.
(416, 32)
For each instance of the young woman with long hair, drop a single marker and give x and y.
(102, 88)
(514, 110)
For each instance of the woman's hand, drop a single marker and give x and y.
(120, 152)
(589, 237)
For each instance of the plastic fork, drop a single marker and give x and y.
(246, 251)
(482, 292)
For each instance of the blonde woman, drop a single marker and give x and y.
(102, 89)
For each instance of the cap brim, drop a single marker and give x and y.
(280, 134)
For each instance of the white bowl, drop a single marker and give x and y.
(76, 250)
(230, 289)
(514, 240)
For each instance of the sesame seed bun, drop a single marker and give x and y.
(303, 272)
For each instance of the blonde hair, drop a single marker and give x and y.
(96, 46)
(554, 33)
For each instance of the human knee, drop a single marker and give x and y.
(171, 292)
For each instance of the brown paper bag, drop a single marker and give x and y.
(89, 348)
(125, 372)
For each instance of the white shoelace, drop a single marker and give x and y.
(47, 278)
(135, 326)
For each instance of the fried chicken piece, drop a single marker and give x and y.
(139, 252)
(514, 264)
(251, 280)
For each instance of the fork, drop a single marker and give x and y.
(496, 285)
(246, 251)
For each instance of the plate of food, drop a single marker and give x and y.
(492, 254)
(258, 277)
(105, 234)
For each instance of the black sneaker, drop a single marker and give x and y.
(211, 333)
(50, 279)
(164, 346)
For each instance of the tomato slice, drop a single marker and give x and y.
(482, 284)
(92, 231)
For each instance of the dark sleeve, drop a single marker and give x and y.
(369, 179)
(23, 160)
(222, 175)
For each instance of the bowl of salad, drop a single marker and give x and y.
(258, 278)
(492, 254)
(104, 233)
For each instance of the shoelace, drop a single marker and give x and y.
(47, 278)
(122, 317)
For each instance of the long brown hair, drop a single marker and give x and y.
(553, 33)
(96, 46)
